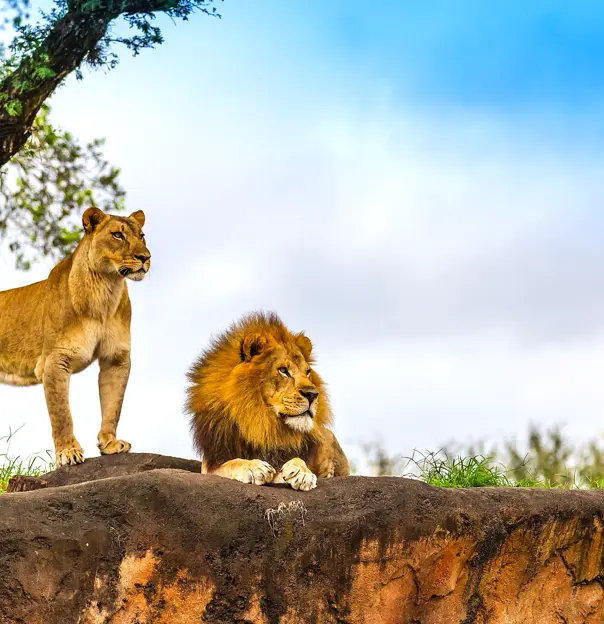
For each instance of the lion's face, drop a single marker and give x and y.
(256, 385)
(117, 244)
(287, 382)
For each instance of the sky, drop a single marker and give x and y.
(418, 186)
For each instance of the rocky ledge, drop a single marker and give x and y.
(142, 539)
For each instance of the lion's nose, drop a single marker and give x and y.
(309, 395)
(143, 257)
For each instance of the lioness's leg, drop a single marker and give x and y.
(253, 471)
(113, 379)
(297, 474)
(57, 372)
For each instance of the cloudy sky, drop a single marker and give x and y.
(419, 187)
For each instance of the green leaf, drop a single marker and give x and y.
(45, 188)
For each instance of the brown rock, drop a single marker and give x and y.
(21, 483)
(97, 468)
(171, 547)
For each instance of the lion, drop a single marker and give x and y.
(259, 411)
(81, 313)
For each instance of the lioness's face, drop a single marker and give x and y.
(287, 383)
(118, 244)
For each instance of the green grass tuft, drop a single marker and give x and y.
(437, 468)
(12, 465)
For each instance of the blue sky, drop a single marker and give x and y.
(503, 55)
(532, 55)
(418, 186)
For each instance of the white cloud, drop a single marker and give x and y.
(446, 264)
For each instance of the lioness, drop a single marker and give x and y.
(259, 412)
(80, 313)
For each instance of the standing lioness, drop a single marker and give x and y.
(81, 313)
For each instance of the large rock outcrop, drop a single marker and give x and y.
(168, 546)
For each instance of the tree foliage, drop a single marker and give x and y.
(46, 175)
(45, 187)
(74, 32)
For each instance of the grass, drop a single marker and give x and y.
(436, 468)
(12, 465)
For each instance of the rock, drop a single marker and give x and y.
(21, 483)
(172, 547)
(102, 468)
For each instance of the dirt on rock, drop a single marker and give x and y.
(168, 546)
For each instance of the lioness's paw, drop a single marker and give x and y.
(70, 455)
(297, 474)
(254, 471)
(111, 446)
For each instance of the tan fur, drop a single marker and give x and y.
(260, 413)
(55, 328)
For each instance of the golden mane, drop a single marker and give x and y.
(229, 417)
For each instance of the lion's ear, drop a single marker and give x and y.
(139, 217)
(305, 345)
(252, 345)
(91, 219)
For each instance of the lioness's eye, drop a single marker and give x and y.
(283, 371)
(118, 235)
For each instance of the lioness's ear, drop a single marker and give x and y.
(91, 218)
(252, 345)
(304, 344)
(139, 217)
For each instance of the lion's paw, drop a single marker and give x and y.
(296, 473)
(70, 454)
(111, 446)
(253, 471)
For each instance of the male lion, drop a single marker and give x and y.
(80, 313)
(257, 407)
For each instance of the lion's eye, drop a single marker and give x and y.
(117, 235)
(308, 372)
(283, 371)
(142, 236)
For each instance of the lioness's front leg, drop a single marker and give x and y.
(113, 379)
(298, 475)
(57, 372)
(253, 471)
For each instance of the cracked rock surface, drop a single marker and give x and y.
(141, 539)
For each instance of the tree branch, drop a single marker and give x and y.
(74, 37)
(63, 51)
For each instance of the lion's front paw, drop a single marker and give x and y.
(110, 446)
(69, 454)
(297, 474)
(253, 471)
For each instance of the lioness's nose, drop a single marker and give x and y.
(143, 257)
(309, 395)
